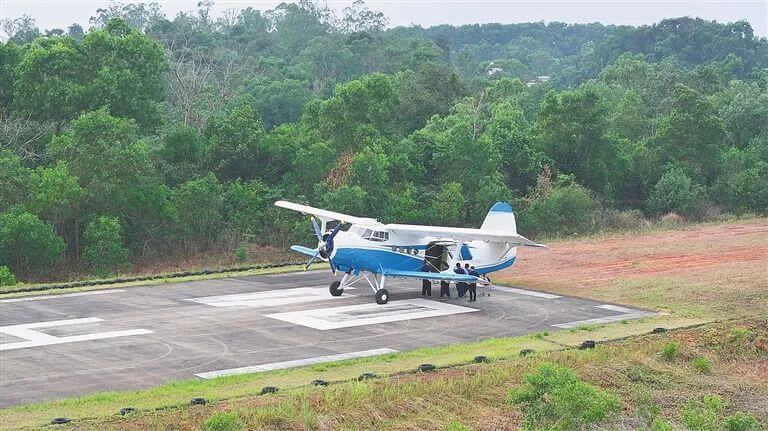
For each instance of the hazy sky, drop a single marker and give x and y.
(61, 13)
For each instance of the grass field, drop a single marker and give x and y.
(706, 273)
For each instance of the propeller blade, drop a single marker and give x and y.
(316, 227)
(311, 260)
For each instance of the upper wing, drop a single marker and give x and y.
(440, 276)
(464, 234)
(325, 214)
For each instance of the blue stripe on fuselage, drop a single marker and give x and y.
(377, 259)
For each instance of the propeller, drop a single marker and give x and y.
(324, 246)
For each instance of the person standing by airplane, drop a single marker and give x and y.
(473, 286)
(461, 287)
(445, 289)
(426, 285)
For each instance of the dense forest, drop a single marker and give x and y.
(146, 137)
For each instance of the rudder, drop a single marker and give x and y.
(500, 218)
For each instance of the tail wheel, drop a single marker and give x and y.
(336, 289)
(382, 296)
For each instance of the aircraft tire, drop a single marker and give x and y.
(382, 296)
(335, 289)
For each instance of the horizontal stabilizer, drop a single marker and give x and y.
(304, 250)
(437, 276)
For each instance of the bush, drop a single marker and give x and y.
(6, 276)
(555, 398)
(28, 244)
(104, 250)
(241, 254)
(224, 421)
(660, 425)
(741, 421)
(703, 415)
(670, 350)
(702, 364)
(566, 208)
(624, 220)
(676, 192)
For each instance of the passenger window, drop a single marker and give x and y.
(367, 234)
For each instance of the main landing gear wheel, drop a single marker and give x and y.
(382, 296)
(335, 288)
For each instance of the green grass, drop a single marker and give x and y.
(178, 393)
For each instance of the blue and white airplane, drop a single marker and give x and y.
(365, 249)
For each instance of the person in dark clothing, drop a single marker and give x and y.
(426, 285)
(444, 289)
(473, 286)
(461, 287)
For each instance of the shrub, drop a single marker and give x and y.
(456, 426)
(676, 192)
(703, 415)
(27, 243)
(702, 364)
(104, 250)
(564, 209)
(741, 421)
(660, 425)
(6, 276)
(241, 254)
(554, 397)
(670, 350)
(224, 421)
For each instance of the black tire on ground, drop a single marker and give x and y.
(319, 382)
(588, 344)
(382, 296)
(127, 410)
(268, 390)
(59, 421)
(335, 288)
(426, 368)
(198, 401)
(659, 330)
(481, 358)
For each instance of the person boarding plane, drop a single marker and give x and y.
(366, 249)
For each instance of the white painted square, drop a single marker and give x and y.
(369, 314)
(270, 298)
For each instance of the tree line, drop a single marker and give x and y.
(146, 137)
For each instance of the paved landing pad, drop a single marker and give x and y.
(75, 344)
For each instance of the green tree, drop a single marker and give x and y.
(197, 209)
(235, 148)
(14, 180)
(54, 193)
(27, 244)
(676, 192)
(104, 250)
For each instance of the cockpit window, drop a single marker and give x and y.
(372, 235)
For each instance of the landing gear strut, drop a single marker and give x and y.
(375, 281)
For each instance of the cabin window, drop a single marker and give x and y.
(372, 235)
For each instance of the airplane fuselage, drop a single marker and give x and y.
(372, 248)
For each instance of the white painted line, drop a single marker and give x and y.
(616, 308)
(65, 295)
(525, 292)
(269, 298)
(72, 339)
(36, 338)
(295, 363)
(369, 314)
(626, 314)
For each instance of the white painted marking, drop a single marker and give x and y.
(65, 295)
(269, 298)
(525, 292)
(616, 308)
(36, 338)
(626, 314)
(295, 363)
(369, 314)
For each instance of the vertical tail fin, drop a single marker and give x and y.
(500, 218)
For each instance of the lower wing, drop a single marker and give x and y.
(438, 276)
